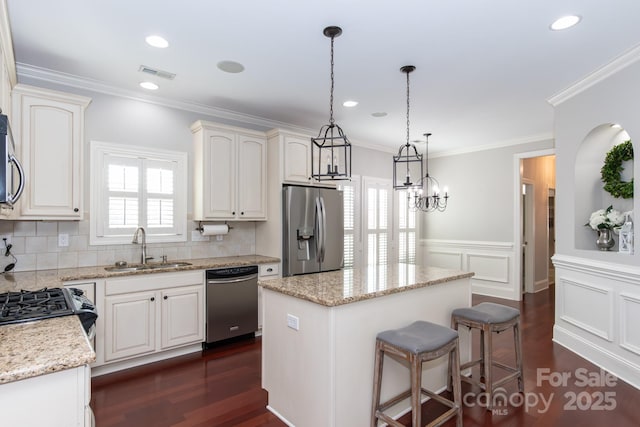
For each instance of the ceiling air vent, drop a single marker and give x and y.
(157, 73)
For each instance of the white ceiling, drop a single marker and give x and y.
(485, 68)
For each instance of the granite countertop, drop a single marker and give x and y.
(42, 347)
(346, 286)
(49, 345)
(34, 280)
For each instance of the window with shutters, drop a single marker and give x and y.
(137, 187)
(376, 230)
(407, 231)
(351, 198)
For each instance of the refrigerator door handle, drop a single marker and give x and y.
(319, 238)
(324, 228)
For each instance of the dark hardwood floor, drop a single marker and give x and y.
(221, 386)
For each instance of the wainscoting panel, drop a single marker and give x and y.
(598, 313)
(492, 263)
(445, 259)
(578, 303)
(630, 322)
(492, 268)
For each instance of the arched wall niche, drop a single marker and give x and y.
(589, 192)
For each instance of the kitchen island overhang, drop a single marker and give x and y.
(319, 337)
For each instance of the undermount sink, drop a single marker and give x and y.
(142, 267)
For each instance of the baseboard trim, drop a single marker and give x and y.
(618, 366)
(115, 366)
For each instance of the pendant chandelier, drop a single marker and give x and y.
(331, 150)
(407, 165)
(431, 200)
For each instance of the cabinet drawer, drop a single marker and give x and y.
(269, 270)
(153, 281)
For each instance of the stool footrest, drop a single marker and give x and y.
(470, 364)
(396, 399)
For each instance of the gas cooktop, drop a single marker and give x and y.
(24, 306)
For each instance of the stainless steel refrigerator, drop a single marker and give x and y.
(313, 226)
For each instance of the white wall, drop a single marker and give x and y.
(597, 293)
(481, 185)
(476, 232)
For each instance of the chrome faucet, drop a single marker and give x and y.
(143, 256)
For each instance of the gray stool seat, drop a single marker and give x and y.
(487, 312)
(419, 337)
(414, 344)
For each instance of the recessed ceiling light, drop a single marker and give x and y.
(149, 85)
(616, 126)
(157, 41)
(230, 67)
(379, 114)
(350, 103)
(565, 22)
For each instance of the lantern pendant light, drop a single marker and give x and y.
(331, 150)
(407, 165)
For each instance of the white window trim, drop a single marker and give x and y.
(98, 150)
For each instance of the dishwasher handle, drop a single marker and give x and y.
(233, 280)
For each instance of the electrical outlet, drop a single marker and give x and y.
(293, 322)
(63, 240)
(5, 236)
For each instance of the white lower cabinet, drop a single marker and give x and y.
(130, 325)
(151, 313)
(58, 399)
(266, 272)
(181, 324)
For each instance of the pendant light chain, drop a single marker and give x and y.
(331, 121)
(407, 110)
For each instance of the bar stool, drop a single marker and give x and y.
(419, 342)
(489, 318)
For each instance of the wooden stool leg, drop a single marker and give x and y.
(488, 364)
(457, 386)
(450, 370)
(482, 355)
(518, 343)
(377, 382)
(416, 390)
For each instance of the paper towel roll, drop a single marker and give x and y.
(214, 230)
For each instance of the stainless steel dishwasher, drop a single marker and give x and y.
(232, 302)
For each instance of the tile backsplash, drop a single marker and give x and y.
(35, 246)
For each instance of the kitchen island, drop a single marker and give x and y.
(319, 336)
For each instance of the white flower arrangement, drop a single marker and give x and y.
(606, 219)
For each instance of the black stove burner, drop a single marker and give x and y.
(24, 306)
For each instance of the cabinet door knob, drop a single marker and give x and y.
(241, 213)
(269, 270)
(153, 299)
(233, 213)
(166, 297)
(76, 209)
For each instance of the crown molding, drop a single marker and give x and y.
(617, 64)
(508, 143)
(56, 77)
(6, 43)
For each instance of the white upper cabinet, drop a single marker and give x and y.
(48, 130)
(297, 159)
(230, 167)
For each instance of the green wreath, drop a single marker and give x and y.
(613, 167)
